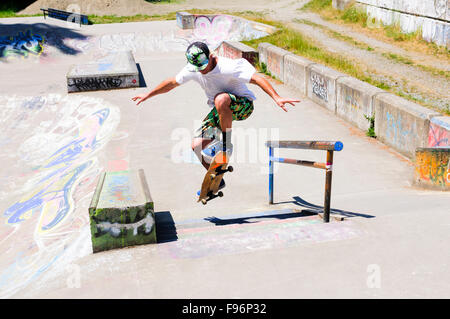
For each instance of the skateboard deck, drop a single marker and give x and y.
(213, 177)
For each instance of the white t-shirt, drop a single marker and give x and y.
(228, 76)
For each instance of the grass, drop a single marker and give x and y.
(123, 19)
(297, 43)
(398, 58)
(353, 15)
(371, 130)
(316, 5)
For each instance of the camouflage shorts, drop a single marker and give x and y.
(241, 107)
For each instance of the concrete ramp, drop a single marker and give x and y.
(114, 71)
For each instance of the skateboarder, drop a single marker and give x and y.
(224, 82)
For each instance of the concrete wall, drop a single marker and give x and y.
(432, 168)
(431, 16)
(439, 132)
(354, 101)
(401, 124)
(237, 50)
(321, 86)
(275, 61)
(296, 72)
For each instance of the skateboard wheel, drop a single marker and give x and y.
(230, 168)
(213, 176)
(220, 194)
(204, 201)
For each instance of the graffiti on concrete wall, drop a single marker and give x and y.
(212, 30)
(433, 168)
(104, 83)
(438, 136)
(398, 131)
(319, 86)
(21, 45)
(50, 148)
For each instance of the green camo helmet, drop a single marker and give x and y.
(197, 55)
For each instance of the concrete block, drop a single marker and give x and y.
(262, 52)
(237, 50)
(402, 124)
(439, 133)
(354, 101)
(122, 211)
(275, 61)
(185, 20)
(114, 71)
(432, 168)
(295, 72)
(321, 87)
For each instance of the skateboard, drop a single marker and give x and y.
(213, 177)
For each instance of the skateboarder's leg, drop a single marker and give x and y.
(222, 103)
(199, 144)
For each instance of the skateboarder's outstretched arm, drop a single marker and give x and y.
(267, 87)
(164, 87)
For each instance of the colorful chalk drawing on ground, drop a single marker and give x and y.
(49, 170)
(21, 45)
(253, 234)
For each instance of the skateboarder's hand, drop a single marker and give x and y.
(141, 98)
(282, 101)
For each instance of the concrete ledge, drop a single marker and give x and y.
(295, 72)
(354, 101)
(114, 71)
(262, 52)
(432, 168)
(237, 50)
(185, 20)
(121, 211)
(321, 86)
(401, 124)
(439, 133)
(275, 61)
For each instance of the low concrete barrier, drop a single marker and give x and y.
(114, 71)
(439, 133)
(432, 168)
(321, 87)
(237, 50)
(275, 61)
(354, 101)
(262, 52)
(121, 211)
(295, 72)
(401, 124)
(185, 20)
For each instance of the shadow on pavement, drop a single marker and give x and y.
(165, 227)
(245, 220)
(319, 209)
(142, 83)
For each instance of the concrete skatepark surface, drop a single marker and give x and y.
(392, 243)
